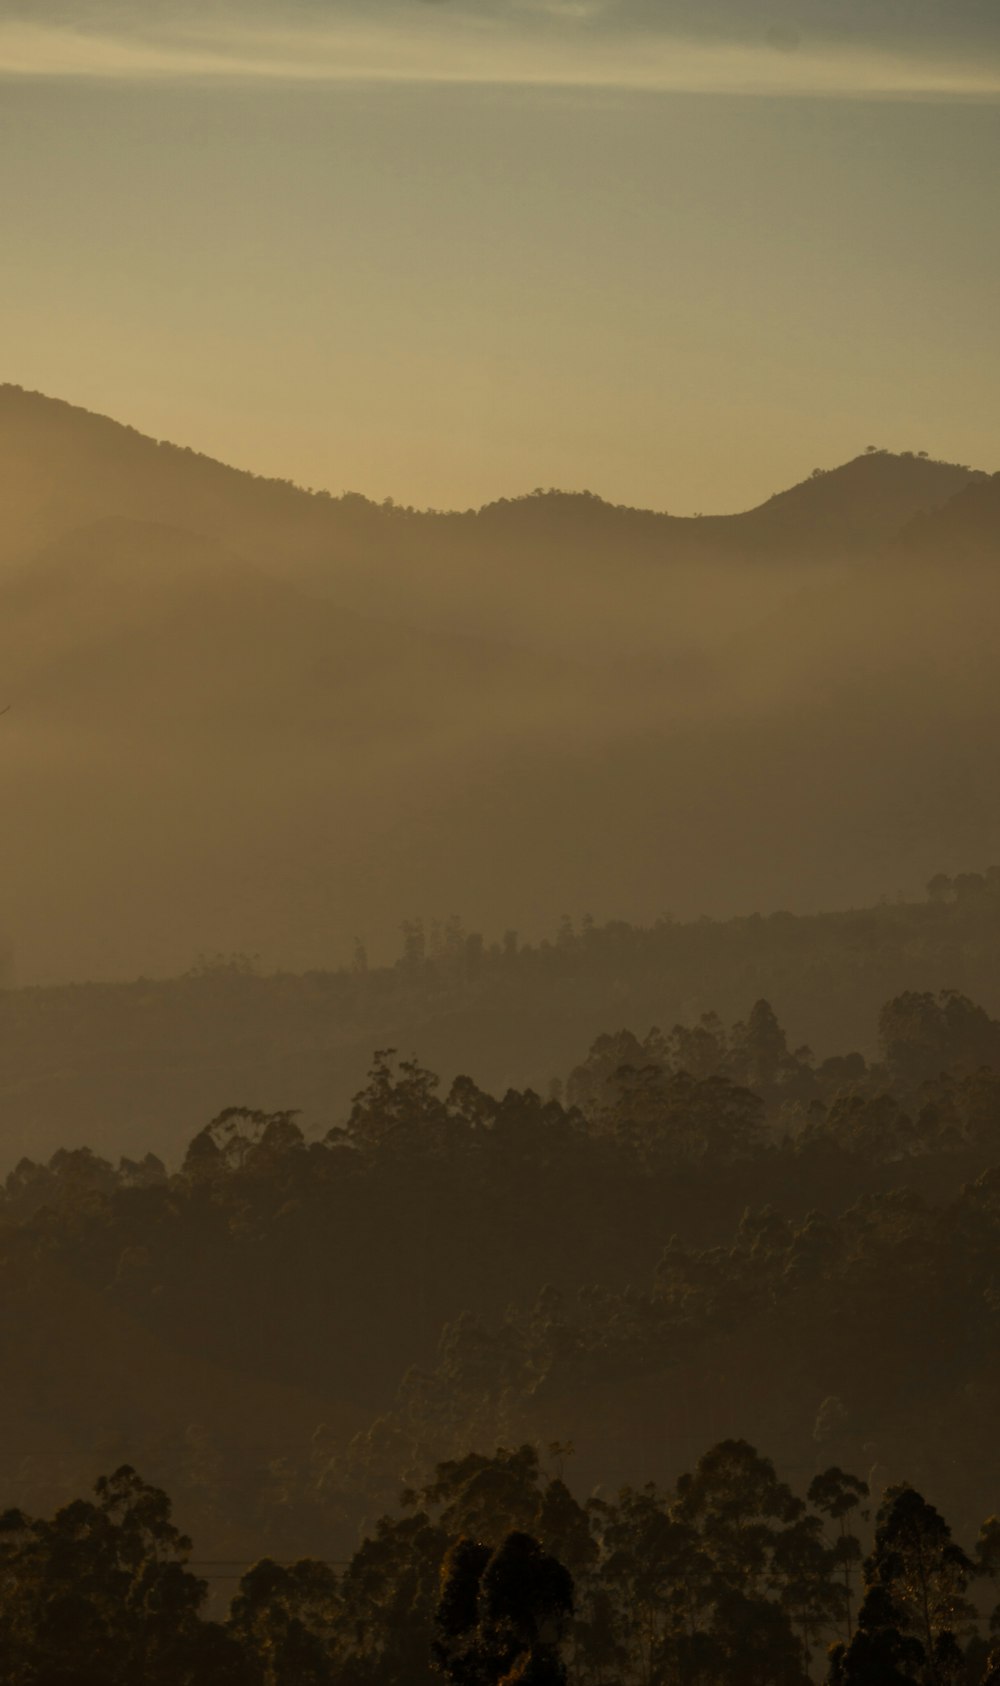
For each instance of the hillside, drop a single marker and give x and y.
(247, 718)
(150, 1061)
(286, 1330)
(62, 467)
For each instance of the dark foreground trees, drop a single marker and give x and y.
(495, 1574)
(101, 1594)
(503, 1614)
(916, 1620)
(702, 1190)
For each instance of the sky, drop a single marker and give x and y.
(677, 253)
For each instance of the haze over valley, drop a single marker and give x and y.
(250, 719)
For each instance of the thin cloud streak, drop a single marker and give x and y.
(476, 51)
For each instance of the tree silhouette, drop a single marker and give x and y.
(502, 1614)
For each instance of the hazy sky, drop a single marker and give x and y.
(678, 251)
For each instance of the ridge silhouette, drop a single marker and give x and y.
(254, 718)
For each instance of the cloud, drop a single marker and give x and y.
(780, 48)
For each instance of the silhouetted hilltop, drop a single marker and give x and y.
(246, 717)
(836, 512)
(62, 467)
(855, 506)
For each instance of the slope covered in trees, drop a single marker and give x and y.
(712, 1235)
(516, 1013)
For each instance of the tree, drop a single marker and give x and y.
(592, 1086)
(988, 1560)
(287, 1618)
(875, 1127)
(880, 1653)
(803, 1570)
(922, 1034)
(760, 1047)
(241, 1137)
(836, 1494)
(399, 1110)
(701, 1048)
(915, 1609)
(388, 1596)
(754, 1644)
(485, 1496)
(502, 1614)
(738, 1504)
(657, 1576)
(488, 1497)
(101, 1593)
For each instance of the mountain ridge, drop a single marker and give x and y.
(236, 726)
(18, 404)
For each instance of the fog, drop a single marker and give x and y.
(248, 719)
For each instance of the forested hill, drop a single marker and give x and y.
(62, 467)
(123, 1065)
(711, 1234)
(550, 703)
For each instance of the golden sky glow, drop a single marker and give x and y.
(446, 252)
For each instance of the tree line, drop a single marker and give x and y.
(493, 1571)
(227, 1029)
(293, 1325)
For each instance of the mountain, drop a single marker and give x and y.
(849, 510)
(551, 571)
(247, 717)
(62, 467)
